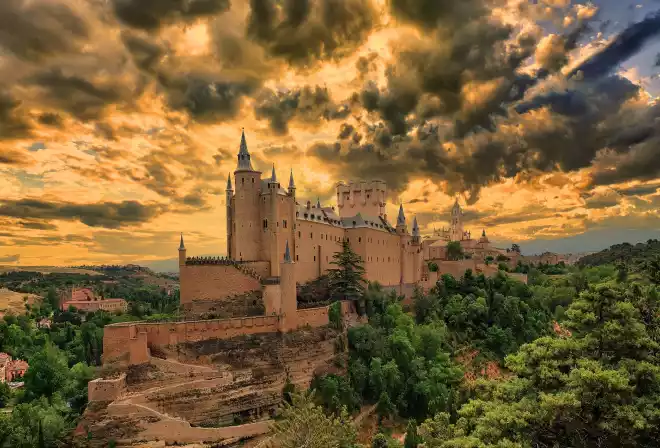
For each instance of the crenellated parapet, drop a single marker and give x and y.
(213, 260)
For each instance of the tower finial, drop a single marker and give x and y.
(273, 177)
(415, 228)
(401, 219)
(292, 185)
(244, 163)
(483, 232)
(318, 202)
(181, 246)
(287, 253)
(229, 188)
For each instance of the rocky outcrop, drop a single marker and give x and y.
(217, 391)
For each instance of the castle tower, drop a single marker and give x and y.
(245, 225)
(401, 227)
(415, 232)
(182, 253)
(416, 252)
(273, 227)
(292, 214)
(456, 222)
(228, 197)
(367, 198)
(288, 292)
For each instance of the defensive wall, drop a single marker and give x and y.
(106, 389)
(133, 339)
(207, 281)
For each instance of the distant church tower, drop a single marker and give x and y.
(456, 222)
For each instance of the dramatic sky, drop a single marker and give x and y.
(120, 119)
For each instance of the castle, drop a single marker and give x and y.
(275, 244)
(266, 225)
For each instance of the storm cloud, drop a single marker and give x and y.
(111, 215)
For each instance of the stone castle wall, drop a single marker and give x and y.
(215, 282)
(102, 389)
(135, 338)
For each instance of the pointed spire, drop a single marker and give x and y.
(483, 232)
(244, 163)
(318, 202)
(273, 177)
(181, 246)
(229, 188)
(287, 253)
(292, 185)
(243, 149)
(415, 228)
(401, 219)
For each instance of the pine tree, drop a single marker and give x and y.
(347, 279)
(305, 424)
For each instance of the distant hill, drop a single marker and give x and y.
(13, 302)
(631, 254)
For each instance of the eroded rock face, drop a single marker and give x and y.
(214, 390)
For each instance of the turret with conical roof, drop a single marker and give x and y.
(401, 221)
(292, 184)
(273, 176)
(182, 252)
(415, 228)
(456, 222)
(244, 162)
(287, 253)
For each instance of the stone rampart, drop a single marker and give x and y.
(314, 317)
(106, 389)
(215, 281)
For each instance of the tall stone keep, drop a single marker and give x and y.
(245, 230)
(366, 198)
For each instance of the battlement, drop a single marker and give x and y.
(214, 260)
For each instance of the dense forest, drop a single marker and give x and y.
(570, 360)
(64, 354)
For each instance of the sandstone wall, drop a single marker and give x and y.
(314, 317)
(213, 282)
(456, 268)
(102, 389)
(245, 305)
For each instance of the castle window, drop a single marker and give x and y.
(253, 180)
(242, 181)
(296, 257)
(354, 223)
(311, 235)
(314, 257)
(360, 240)
(265, 223)
(284, 223)
(299, 234)
(297, 214)
(306, 215)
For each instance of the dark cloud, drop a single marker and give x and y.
(430, 13)
(10, 258)
(110, 215)
(50, 119)
(13, 157)
(624, 45)
(305, 31)
(33, 30)
(639, 190)
(308, 104)
(602, 200)
(75, 93)
(151, 14)
(37, 225)
(12, 122)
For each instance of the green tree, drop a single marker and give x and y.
(347, 279)
(599, 387)
(5, 395)
(48, 373)
(304, 424)
(488, 260)
(454, 251)
(412, 439)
